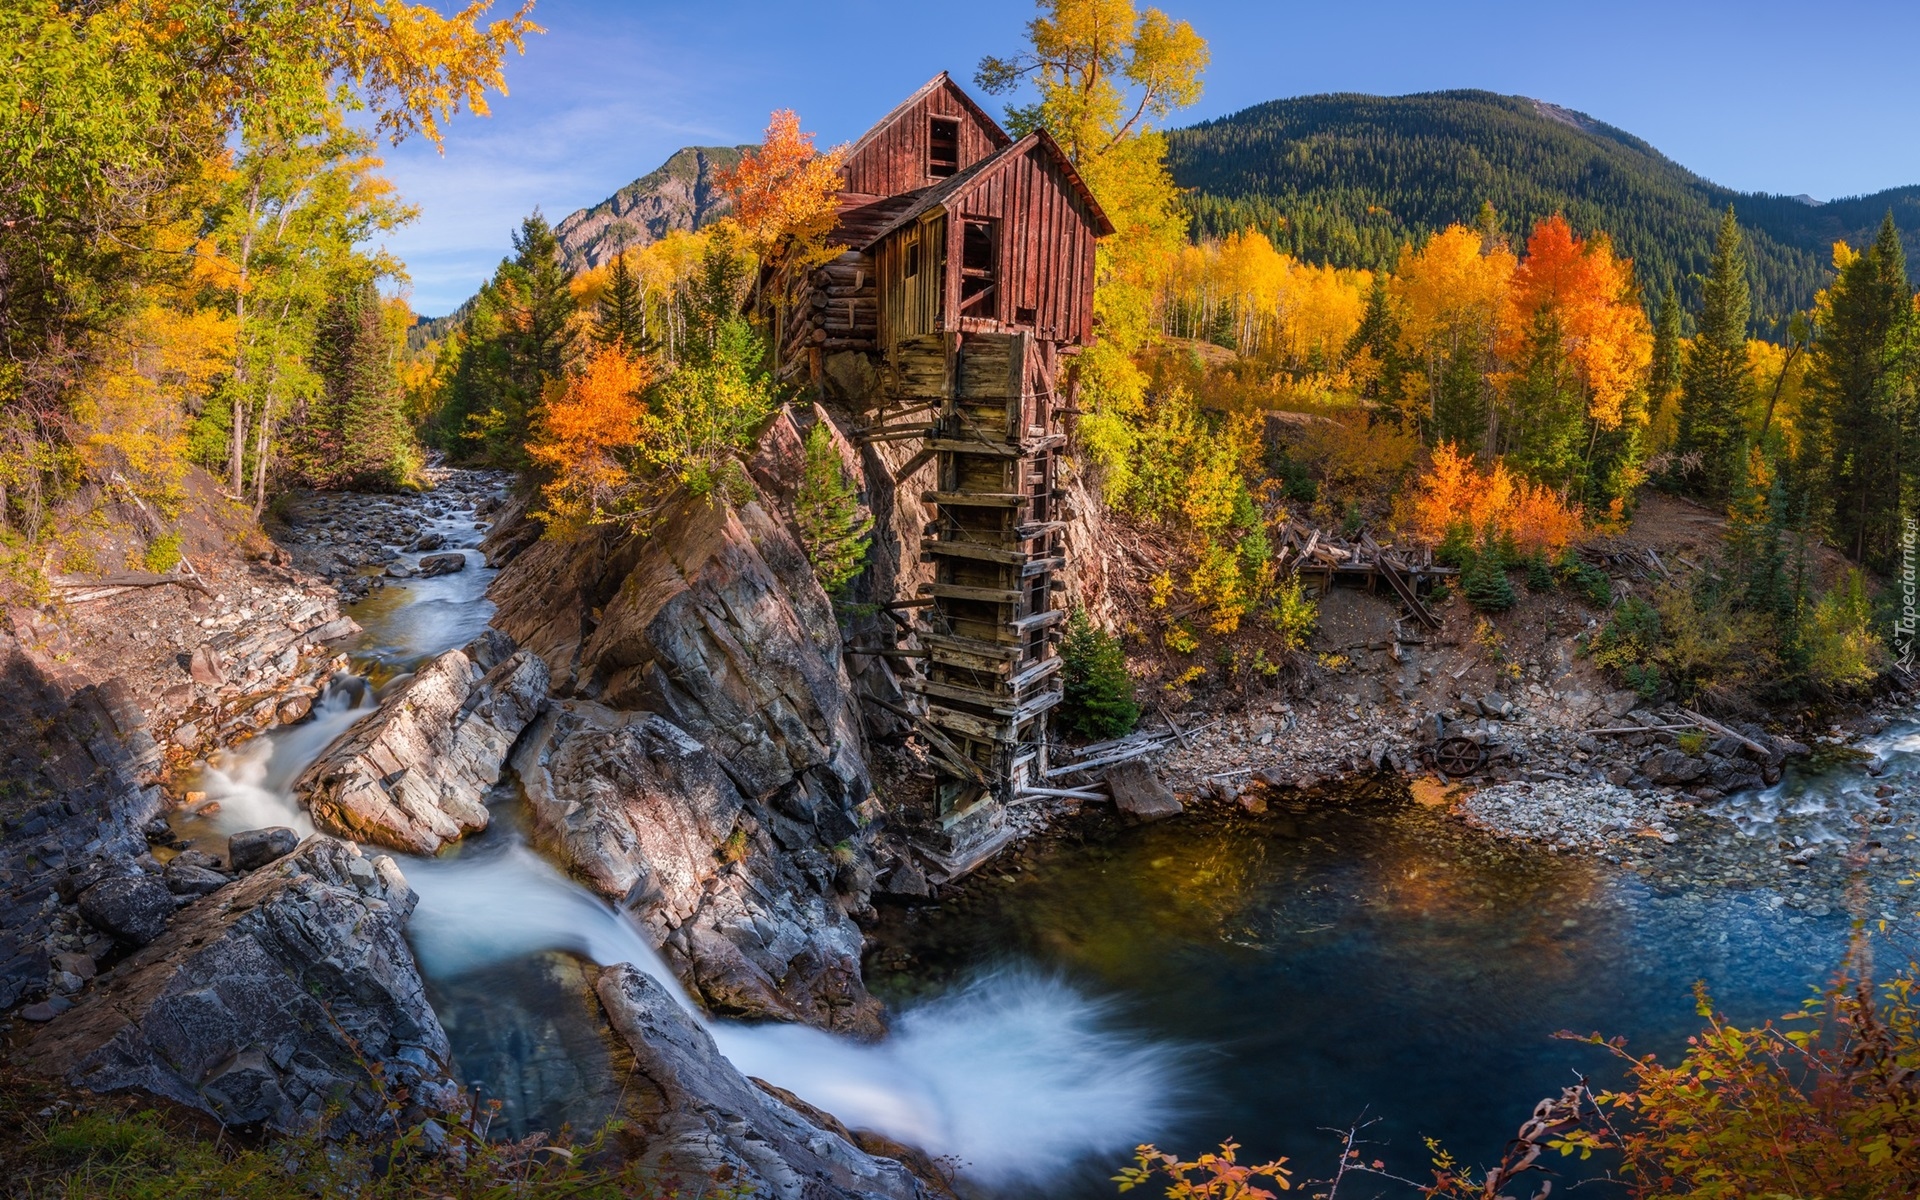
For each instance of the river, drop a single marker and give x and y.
(1265, 977)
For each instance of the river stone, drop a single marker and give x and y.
(647, 817)
(133, 908)
(334, 630)
(414, 776)
(255, 848)
(206, 666)
(442, 564)
(268, 1003)
(1139, 792)
(704, 1119)
(185, 879)
(1672, 767)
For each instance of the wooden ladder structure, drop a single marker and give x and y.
(996, 544)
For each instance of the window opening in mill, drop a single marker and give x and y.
(943, 148)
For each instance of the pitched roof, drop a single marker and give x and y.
(953, 187)
(898, 110)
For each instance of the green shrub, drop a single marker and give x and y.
(163, 553)
(1098, 700)
(1588, 582)
(1293, 616)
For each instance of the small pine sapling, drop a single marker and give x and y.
(1098, 700)
(826, 509)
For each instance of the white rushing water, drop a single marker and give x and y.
(1819, 807)
(1014, 1076)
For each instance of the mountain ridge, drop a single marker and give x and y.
(1348, 177)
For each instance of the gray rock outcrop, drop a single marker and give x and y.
(715, 621)
(702, 1118)
(745, 901)
(414, 776)
(267, 1002)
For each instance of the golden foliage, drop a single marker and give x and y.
(1453, 493)
(132, 409)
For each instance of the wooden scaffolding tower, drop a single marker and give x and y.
(996, 544)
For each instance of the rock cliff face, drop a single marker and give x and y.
(680, 194)
(715, 621)
(700, 1116)
(267, 1002)
(749, 903)
(414, 776)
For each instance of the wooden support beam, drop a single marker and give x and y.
(970, 725)
(913, 464)
(1022, 626)
(977, 499)
(1002, 652)
(916, 602)
(1037, 673)
(954, 591)
(894, 433)
(1040, 566)
(976, 551)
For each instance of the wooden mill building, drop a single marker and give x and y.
(967, 283)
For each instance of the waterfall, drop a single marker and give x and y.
(1014, 1075)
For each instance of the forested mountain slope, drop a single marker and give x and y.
(1347, 178)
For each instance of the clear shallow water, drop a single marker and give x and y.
(1368, 960)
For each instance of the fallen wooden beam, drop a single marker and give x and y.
(1710, 724)
(122, 581)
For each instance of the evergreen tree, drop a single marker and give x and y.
(1663, 379)
(516, 340)
(1098, 693)
(1863, 381)
(826, 509)
(622, 315)
(1378, 338)
(1715, 383)
(1483, 580)
(355, 432)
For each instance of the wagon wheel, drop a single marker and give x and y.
(1459, 756)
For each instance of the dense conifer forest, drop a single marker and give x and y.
(1346, 179)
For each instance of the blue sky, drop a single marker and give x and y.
(1758, 95)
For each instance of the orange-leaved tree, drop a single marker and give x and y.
(1577, 348)
(784, 195)
(1454, 497)
(584, 436)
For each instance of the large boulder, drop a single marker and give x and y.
(279, 1000)
(700, 1118)
(414, 776)
(134, 908)
(714, 620)
(647, 817)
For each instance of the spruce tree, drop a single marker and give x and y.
(516, 339)
(1715, 383)
(826, 509)
(1483, 580)
(622, 317)
(1863, 379)
(1098, 692)
(355, 432)
(1379, 337)
(1663, 379)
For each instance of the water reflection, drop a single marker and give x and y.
(1370, 957)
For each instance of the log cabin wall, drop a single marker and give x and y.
(896, 155)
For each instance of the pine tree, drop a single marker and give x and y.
(1715, 382)
(1863, 379)
(1663, 379)
(1383, 387)
(1098, 693)
(826, 509)
(355, 432)
(622, 315)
